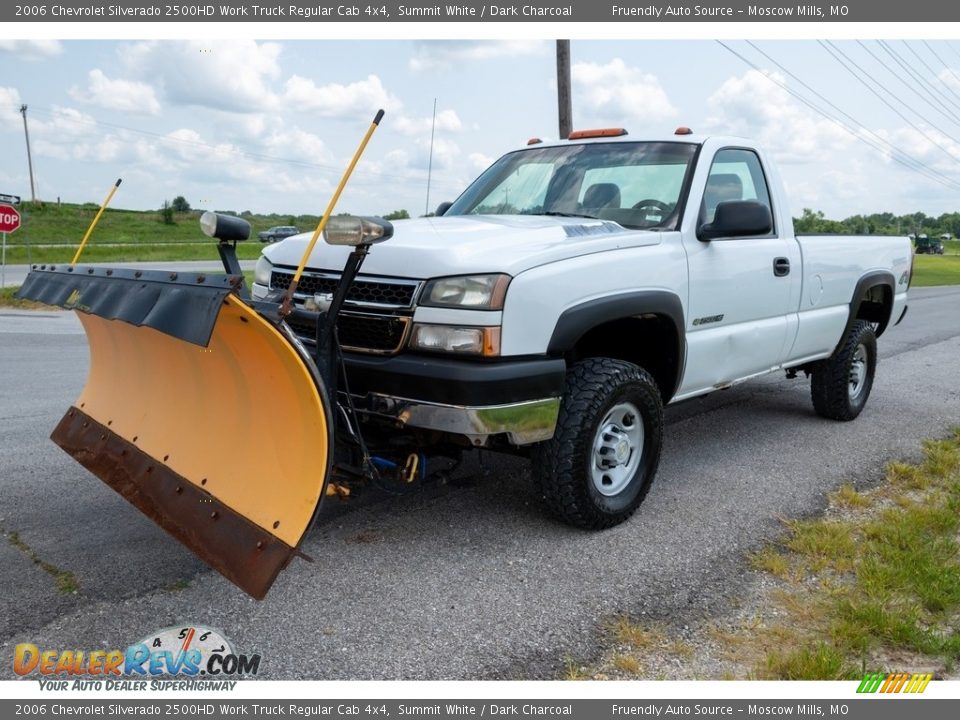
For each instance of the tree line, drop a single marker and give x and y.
(885, 223)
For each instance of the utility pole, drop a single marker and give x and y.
(26, 134)
(433, 128)
(564, 105)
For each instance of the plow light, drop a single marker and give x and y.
(224, 227)
(354, 231)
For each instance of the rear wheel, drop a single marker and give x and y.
(841, 384)
(599, 465)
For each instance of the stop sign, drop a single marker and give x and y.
(9, 219)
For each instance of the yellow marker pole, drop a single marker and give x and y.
(287, 306)
(96, 219)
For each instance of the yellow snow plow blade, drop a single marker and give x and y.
(207, 417)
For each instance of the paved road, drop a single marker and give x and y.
(15, 274)
(464, 581)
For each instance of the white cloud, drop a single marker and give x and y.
(447, 121)
(617, 91)
(951, 78)
(446, 54)
(122, 95)
(234, 76)
(298, 144)
(360, 98)
(31, 49)
(930, 146)
(754, 106)
(479, 161)
(9, 107)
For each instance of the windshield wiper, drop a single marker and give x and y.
(553, 213)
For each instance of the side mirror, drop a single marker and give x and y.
(737, 218)
(354, 231)
(442, 208)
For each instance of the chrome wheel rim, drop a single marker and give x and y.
(858, 372)
(617, 449)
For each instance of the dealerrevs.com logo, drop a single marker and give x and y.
(201, 656)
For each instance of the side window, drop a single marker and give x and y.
(735, 175)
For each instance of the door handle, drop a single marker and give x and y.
(781, 266)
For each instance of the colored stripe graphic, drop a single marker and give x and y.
(894, 682)
(871, 682)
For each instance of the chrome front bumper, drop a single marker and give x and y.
(524, 423)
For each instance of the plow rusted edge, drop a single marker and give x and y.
(244, 553)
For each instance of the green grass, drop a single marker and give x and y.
(65, 580)
(127, 253)
(7, 299)
(140, 235)
(47, 224)
(883, 579)
(936, 270)
(874, 585)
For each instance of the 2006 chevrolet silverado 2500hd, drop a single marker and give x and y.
(578, 286)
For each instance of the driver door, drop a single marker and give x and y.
(740, 288)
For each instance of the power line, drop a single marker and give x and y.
(828, 45)
(930, 69)
(935, 103)
(945, 67)
(917, 77)
(893, 148)
(937, 177)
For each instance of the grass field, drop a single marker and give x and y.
(49, 224)
(134, 252)
(936, 270)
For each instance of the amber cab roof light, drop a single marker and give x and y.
(599, 132)
(534, 141)
(683, 131)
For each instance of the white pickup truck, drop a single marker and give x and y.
(576, 287)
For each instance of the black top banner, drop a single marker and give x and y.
(897, 11)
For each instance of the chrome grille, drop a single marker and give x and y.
(381, 293)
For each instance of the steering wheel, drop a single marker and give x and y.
(651, 203)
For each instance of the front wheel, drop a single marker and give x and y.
(600, 464)
(841, 384)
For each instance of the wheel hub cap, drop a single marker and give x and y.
(617, 449)
(858, 372)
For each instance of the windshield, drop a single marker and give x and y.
(637, 185)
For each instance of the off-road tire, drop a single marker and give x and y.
(562, 466)
(831, 384)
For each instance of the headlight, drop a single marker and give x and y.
(477, 292)
(453, 339)
(263, 271)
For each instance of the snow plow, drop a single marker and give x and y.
(178, 361)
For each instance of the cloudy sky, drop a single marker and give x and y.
(269, 126)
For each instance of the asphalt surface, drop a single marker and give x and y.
(468, 580)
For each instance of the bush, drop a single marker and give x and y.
(180, 204)
(166, 214)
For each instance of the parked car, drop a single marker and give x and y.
(278, 232)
